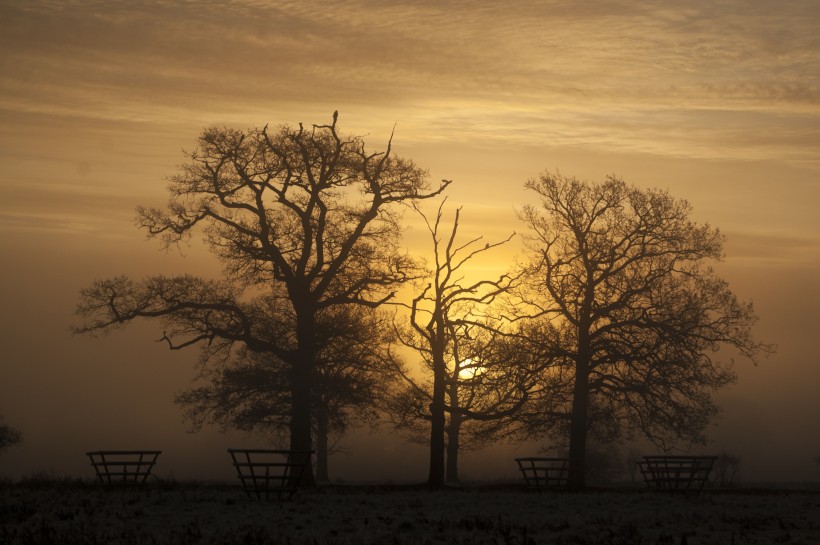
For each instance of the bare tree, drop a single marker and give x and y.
(302, 219)
(631, 459)
(623, 274)
(450, 330)
(728, 467)
(9, 436)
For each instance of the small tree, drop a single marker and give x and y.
(249, 391)
(623, 275)
(8, 436)
(302, 219)
(728, 467)
(450, 330)
(631, 459)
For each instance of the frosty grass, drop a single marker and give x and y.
(179, 513)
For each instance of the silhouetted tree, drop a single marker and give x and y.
(728, 467)
(9, 436)
(450, 330)
(249, 391)
(631, 459)
(302, 219)
(640, 316)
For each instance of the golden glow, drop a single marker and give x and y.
(469, 370)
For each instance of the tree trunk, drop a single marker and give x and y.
(453, 430)
(321, 446)
(437, 476)
(301, 380)
(578, 430)
(579, 419)
(438, 343)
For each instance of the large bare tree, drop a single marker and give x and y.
(303, 219)
(641, 321)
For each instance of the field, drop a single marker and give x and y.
(81, 512)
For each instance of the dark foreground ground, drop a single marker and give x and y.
(81, 512)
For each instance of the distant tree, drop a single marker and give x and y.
(639, 315)
(8, 436)
(302, 219)
(448, 327)
(249, 391)
(727, 468)
(603, 463)
(631, 459)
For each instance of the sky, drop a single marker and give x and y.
(716, 102)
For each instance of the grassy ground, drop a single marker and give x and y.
(51, 511)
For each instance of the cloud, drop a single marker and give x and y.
(699, 80)
(774, 248)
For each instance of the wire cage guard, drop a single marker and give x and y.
(544, 472)
(676, 472)
(269, 474)
(123, 466)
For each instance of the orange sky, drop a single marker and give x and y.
(718, 104)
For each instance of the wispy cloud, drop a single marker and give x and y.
(619, 76)
(774, 249)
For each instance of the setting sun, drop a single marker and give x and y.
(468, 369)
